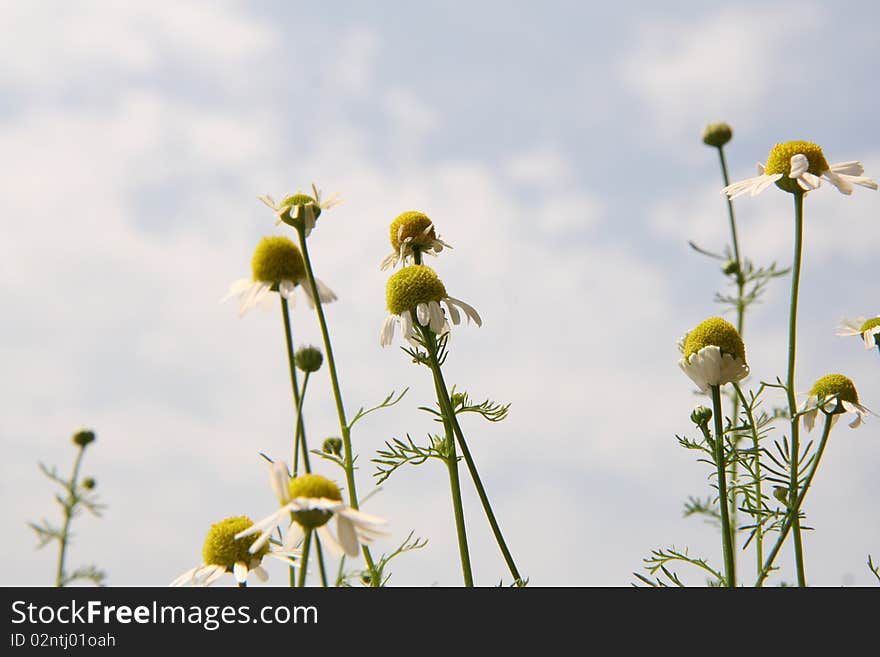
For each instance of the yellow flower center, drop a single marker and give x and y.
(411, 286)
(314, 486)
(779, 161)
(715, 332)
(221, 549)
(412, 225)
(871, 323)
(277, 259)
(288, 204)
(835, 385)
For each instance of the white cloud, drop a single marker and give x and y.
(719, 66)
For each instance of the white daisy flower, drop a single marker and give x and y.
(312, 500)
(224, 552)
(713, 354)
(301, 210)
(833, 394)
(412, 232)
(868, 330)
(800, 166)
(414, 294)
(277, 266)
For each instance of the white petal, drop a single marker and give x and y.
(260, 573)
(851, 168)
(347, 536)
(469, 310)
(808, 182)
(240, 571)
(842, 184)
(453, 313)
(293, 537)
(186, 577)
(329, 540)
(279, 478)
(286, 289)
(216, 573)
(810, 419)
(799, 165)
(438, 321)
(389, 261)
(325, 294)
(386, 335)
(422, 314)
(406, 325)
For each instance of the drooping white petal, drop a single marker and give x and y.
(279, 477)
(468, 310)
(240, 571)
(406, 325)
(213, 575)
(709, 367)
(237, 288)
(386, 335)
(840, 182)
(286, 289)
(799, 165)
(851, 168)
(808, 182)
(329, 540)
(389, 261)
(325, 294)
(347, 536)
(292, 537)
(260, 573)
(438, 321)
(422, 314)
(453, 313)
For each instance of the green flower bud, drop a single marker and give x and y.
(701, 416)
(83, 437)
(332, 446)
(730, 268)
(88, 483)
(717, 134)
(308, 359)
(781, 494)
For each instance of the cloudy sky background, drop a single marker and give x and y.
(557, 148)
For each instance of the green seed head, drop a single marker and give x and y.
(315, 486)
(835, 385)
(277, 259)
(290, 203)
(84, 437)
(332, 446)
(308, 359)
(871, 323)
(715, 332)
(717, 134)
(222, 549)
(412, 225)
(411, 286)
(779, 161)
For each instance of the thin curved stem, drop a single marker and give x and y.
(726, 535)
(789, 382)
(794, 511)
(337, 395)
(759, 498)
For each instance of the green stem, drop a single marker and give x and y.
(300, 435)
(68, 514)
(337, 394)
(303, 567)
(794, 512)
(740, 322)
(759, 498)
(726, 535)
(790, 386)
(451, 460)
(448, 411)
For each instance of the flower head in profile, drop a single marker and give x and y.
(301, 210)
(414, 294)
(833, 394)
(224, 553)
(277, 266)
(717, 134)
(800, 166)
(411, 233)
(312, 500)
(713, 354)
(867, 329)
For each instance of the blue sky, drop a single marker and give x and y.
(556, 148)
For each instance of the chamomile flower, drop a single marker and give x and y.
(277, 266)
(833, 394)
(713, 354)
(224, 553)
(799, 166)
(412, 232)
(414, 294)
(869, 330)
(301, 210)
(312, 500)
